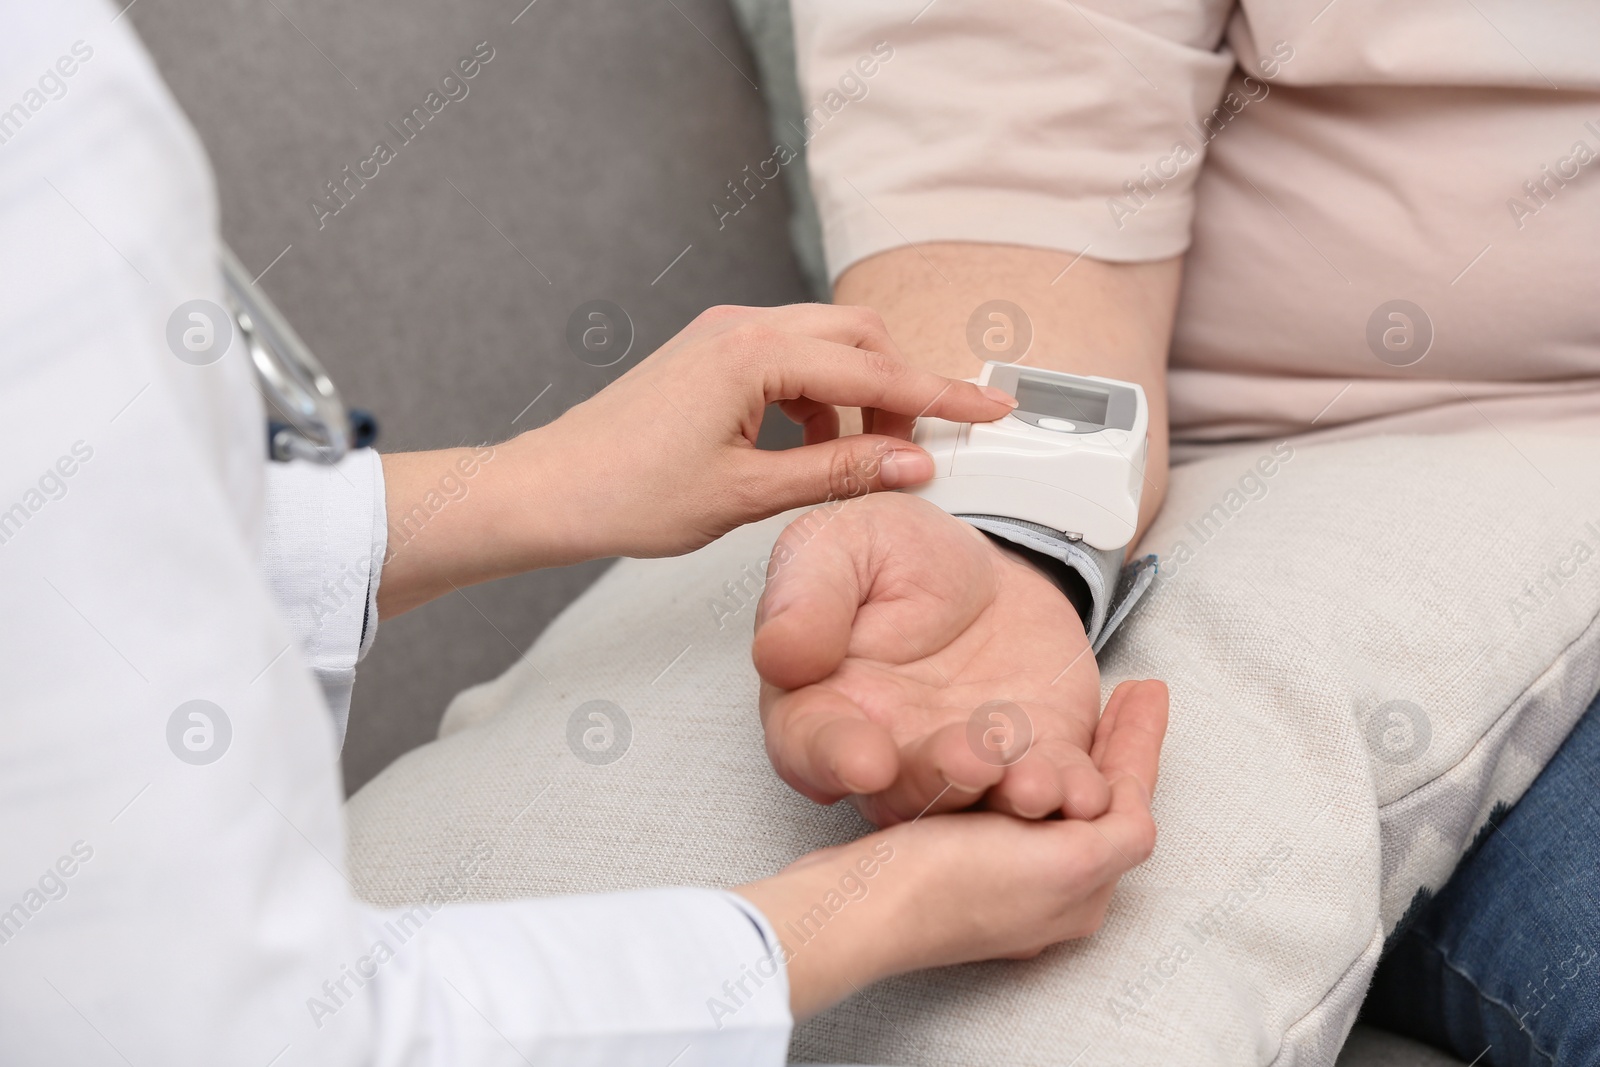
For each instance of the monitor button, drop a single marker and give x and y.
(1059, 425)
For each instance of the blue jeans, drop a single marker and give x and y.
(1505, 962)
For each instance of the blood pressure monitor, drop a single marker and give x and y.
(1058, 479)
(1069, 459)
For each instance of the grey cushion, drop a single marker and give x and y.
(1367, 1047)
(769, 28)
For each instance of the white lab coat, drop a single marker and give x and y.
(155, 910)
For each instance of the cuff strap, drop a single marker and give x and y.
(1107, 590)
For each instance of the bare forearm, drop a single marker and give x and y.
(833, 951)
(460, 516)
(1087, 317)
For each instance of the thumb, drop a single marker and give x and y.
(815, 580)
(1128, 740)
(840, 469)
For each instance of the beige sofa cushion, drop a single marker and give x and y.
(1368, 645)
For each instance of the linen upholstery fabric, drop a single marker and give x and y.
(1301, 809)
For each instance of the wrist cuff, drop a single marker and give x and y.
(1099, 586)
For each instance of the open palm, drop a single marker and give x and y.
(912, 665)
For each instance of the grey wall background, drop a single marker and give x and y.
(584, 159)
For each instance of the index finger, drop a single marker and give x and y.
(837, 374)
(876, 374)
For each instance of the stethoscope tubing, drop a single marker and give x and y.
(306, 417)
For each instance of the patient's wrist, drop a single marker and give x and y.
(1085, 315)
(1068, 581)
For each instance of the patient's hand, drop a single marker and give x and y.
(885, 626)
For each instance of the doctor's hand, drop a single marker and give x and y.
(911, 665)
(951, 889)
(664, 459)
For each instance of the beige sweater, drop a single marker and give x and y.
(1318, 161)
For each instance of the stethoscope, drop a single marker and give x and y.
(306, 419)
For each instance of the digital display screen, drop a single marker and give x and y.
(1056, 400)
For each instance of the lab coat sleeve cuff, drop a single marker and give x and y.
(323, 558)
(682, 976)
